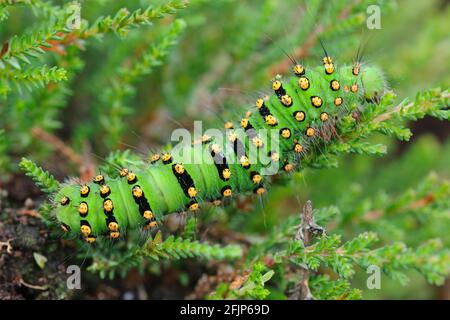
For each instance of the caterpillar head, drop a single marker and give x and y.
(373, 81)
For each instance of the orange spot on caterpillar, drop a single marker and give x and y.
(64, 201)
(147, 214)
(108, 205)
(99, 179)
(298, 148)
(123, 172)
(113, 226)
(328, 64)
(259, 190)
(232, 137)
(228, 125)
(310, 132)
(216, 148)
(155, 157)
(288, 167)
(298, 70)
(303, 83)
(152, 225)
(276, 85)
(271, 120)
(194, 206)
(259, 103)
(285, 133)
(85, 229)
(356, 69)
(257, 142)
(256, 177)
(90, 239)
(167, 158)
(192, 192)
(226, 174)
(137, 192)
(114, 234)
(83, 209)
(334, 85)
(179, 168)
(84, 191)
(274, 156)
(244, 162)
(104, 191)
(286, 100)
(324, 116)
(299, 116)
(226, 191)
(316, 101)
(244, 123)
(131, 177)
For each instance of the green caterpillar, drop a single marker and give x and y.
(298, 113)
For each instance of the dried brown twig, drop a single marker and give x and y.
(58, 144)
(307, 229)
(85, 164)
(7, 245)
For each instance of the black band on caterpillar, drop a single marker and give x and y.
(185, 180)
(239, 150)
(220, 162)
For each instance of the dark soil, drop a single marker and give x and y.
(25, 242)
